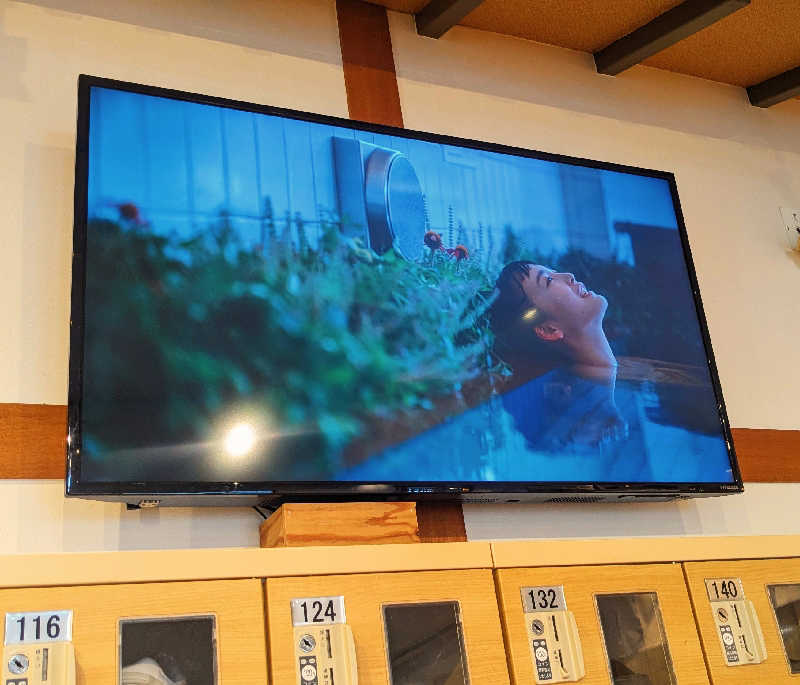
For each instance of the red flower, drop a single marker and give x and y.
(433, 240)
(130, 212)
(459, 252)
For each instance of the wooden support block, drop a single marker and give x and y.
(341, 523)
(441, 522)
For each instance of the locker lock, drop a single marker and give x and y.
(307, 643)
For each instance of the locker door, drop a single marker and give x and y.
(773, 587)
(635, 621)
(437, 627)
(184, 631)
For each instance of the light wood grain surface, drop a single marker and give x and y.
(576, 552)
(580, 586)
(237, 605)
(97, 568)
(755, 576)
(364, 596)
(340, 523)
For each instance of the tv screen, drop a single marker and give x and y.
(279, 304)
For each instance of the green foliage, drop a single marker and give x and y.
(317, 335)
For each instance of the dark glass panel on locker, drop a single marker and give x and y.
(425, 644)
(178, 650)
(786, 603)
(635, 641)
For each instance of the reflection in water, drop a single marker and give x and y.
(786, 602)
(635, 641)
(567, 409)
(569, 424)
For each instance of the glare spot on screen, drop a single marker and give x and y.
(240, 439)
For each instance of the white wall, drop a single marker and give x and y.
(734, 165)
(42, 51)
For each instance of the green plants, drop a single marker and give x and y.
(316, 332)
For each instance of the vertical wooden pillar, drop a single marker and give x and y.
(372, 95)
(369, 74)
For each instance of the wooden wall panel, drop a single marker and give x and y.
(32, 439)
(768, 456)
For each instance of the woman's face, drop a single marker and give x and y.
(563, 300)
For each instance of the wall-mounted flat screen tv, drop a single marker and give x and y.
(271, 305)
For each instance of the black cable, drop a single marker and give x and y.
(261, 513)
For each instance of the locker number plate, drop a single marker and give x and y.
(318, 611)
(543, 598)
(38, 626)
(724, 589)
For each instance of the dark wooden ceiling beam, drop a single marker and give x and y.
(665, 30)
(439, 16)
(776, 89)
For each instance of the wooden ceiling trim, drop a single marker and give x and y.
(745, 48)
(748, 47)
(439, 16)
(665, 30)
(775, 90)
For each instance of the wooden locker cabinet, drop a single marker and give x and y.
(755, 575)
(364, 596)
(237, 605)
(581, 584)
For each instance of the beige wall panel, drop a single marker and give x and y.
(238, 606)
(755, 576)
(365, 594)
(580, 586)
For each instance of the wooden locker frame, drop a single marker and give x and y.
(756, 575)
(237, 606)
(581, 585)
(364, 597)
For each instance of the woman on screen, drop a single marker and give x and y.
(541, 316)
(548, 328)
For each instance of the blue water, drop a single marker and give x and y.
(563, 428)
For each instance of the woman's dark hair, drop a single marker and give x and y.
(511, 302)
(512, 316)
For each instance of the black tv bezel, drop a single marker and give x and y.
(202, 492)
